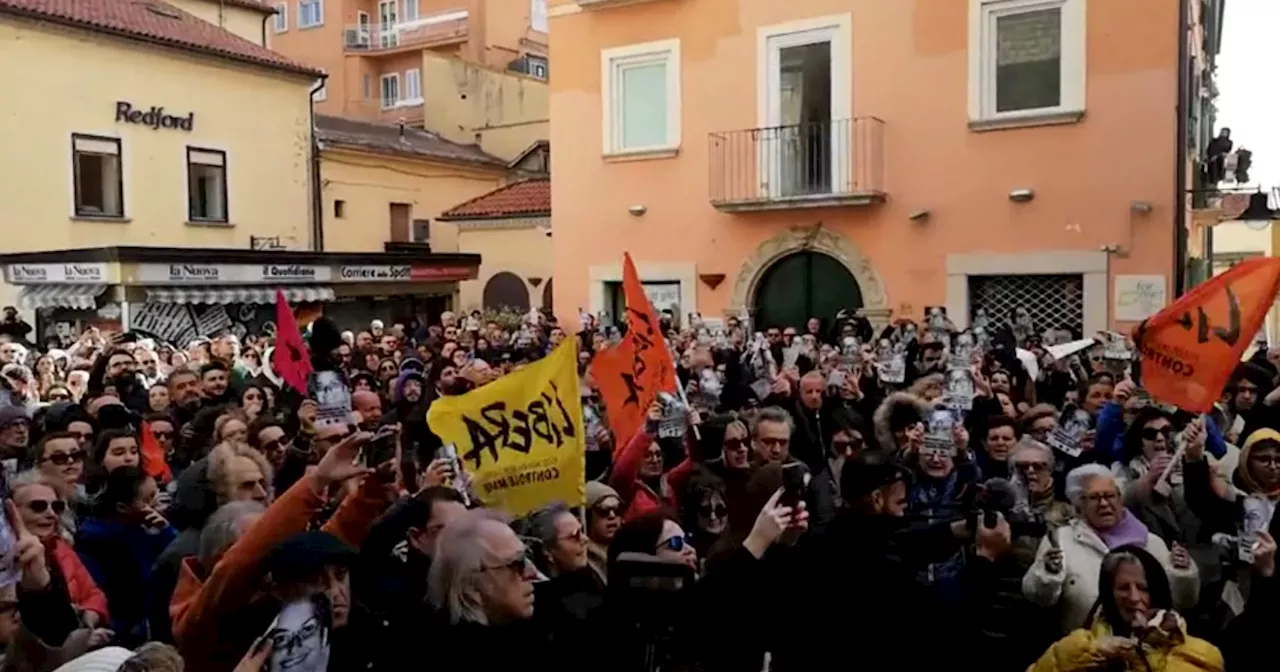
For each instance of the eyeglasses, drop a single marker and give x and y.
(1269, 460)
(59, 396)
(735, 444)
(1153, 433)
(162, 435)
(276, 444)
(1099, 497)
(42, 505)
(577, 535)
(8, 607)
(63, 459)
(606, 511)
(1031, 467)
(769, 442)
(676, 544)
(716, 510)
(82, 436)
(850, 444)
(519, 564)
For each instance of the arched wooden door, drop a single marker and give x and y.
(548, 306)
(803, 285)
(506, 290)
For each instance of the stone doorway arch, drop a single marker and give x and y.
(875, 302)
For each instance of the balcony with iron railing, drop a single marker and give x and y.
(812, 165)
(428, 31)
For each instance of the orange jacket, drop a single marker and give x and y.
(202, 608)
(83, 591)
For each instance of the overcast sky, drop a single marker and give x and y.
(1248, 86)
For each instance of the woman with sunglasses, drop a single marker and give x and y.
(604, 517)
(41, 507)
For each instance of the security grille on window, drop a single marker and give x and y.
(99, 183)
(207, 182)
(1029, 60)
(1052, 301)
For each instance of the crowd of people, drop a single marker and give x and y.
(812, 497)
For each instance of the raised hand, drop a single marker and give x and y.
(340, 463)
(28, 551)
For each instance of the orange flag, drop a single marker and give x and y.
(1190, 348)
(153, 461)
(630, 374)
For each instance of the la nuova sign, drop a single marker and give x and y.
(35, 274)
(243, 274)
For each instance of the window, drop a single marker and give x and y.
(207, 185)
(310, 13)
(538, 15)
(537, 66)
(410, 10)
(642, 104)
(99, 180)
(339, 209)
(390, 91)
(412, 86)
(322, 94)
(1026, 61)
(1051, 301)
(282, 17)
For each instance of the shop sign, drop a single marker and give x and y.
(213, 274)
(32, 274)
(373, 273)
(440, 273)
(153, 118)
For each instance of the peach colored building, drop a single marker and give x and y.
(467, 69)
(787, 159)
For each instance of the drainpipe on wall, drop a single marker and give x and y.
(317, 199)
(265, 19)
(1180, 154)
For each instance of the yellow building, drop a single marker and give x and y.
(172, 128)
(396, 187)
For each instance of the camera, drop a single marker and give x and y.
(645, 599)
(1000, 495)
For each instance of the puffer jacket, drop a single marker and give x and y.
(1078, 652)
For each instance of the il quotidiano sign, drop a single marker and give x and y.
(36, 274)
(243, 274)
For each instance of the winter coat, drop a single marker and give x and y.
(1075, 588)
(1078, 652)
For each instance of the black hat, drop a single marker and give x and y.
(306, 553)
(869, 471)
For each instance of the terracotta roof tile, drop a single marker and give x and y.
(156, 22)
(258, 5)
(527, 198)
(391, 139)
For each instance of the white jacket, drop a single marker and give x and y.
(1075, 589)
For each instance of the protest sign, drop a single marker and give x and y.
(520, 437)
(1190, 348)
(630, 375)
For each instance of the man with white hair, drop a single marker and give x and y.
(482, 573)
(1069, 560)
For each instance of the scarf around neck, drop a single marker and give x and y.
(1128, 532)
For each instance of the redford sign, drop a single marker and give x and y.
(154, 118)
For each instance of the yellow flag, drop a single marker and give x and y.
(519, 438)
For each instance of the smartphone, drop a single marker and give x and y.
(1052, 536)
(382, 448)
(793, 484)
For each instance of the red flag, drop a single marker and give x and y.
(153, 461)
(630, 374)
(290, 360)
(1190, 348)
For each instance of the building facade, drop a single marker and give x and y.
(175, 131)
(472, 70)
(888, 156)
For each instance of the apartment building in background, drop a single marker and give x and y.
(472, 71)
(886, 156)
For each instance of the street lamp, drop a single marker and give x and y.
(1259, 214)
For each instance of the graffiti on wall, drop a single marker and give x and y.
(180, 324)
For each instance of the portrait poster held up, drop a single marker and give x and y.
(520, 438)
(630, 375)
(1190, 348)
